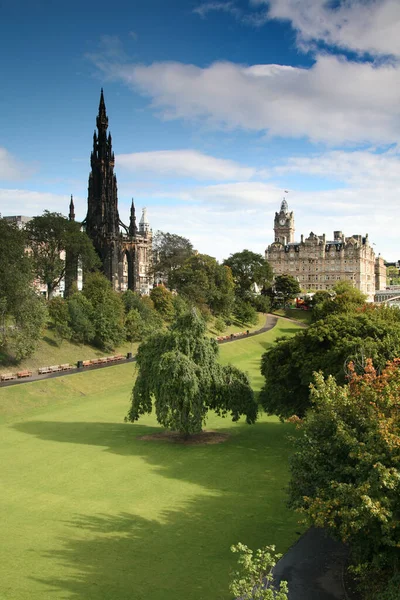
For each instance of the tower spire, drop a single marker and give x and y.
(132, 222)
(71, 215)
(102, 120)
(284, 206)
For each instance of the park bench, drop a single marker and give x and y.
(44, 370)
(25, 373)
(8, 376)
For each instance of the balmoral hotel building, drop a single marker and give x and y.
(319, 263)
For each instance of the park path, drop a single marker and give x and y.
(270, 323)
(314, 567)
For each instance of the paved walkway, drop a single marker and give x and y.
(313, 568)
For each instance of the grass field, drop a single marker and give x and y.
(304, 316)
(90, 511)
(238, 327)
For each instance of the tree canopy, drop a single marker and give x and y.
(204, 282)
(249, 269)
(169, 253)
(178, 370)
(108, 311)
(51, 237)
(327, 346)
(22, 311)
(345, 472)
(343, 299)
(286, 287)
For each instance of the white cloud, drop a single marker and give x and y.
(229, 7)
(359, 25)
(12, 169)
(335, 101)
(31, 203)
(359, 168)
(227, 217)
(184, 163)
(221, 220)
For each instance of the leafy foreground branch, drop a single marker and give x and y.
(179, 372)
(254, 581)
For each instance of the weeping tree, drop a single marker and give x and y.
(178, 374)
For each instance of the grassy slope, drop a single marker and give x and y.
(294, 313)
(52, 352)
(238, 327)
(92, 512)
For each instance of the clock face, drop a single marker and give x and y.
(282, 221)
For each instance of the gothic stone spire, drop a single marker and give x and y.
(132, 222)
(102, 220)
(71, 215)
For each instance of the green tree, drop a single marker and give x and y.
(179, 371)
(327, 346)
(392, 276)
(133, 326)
(169, 253)
(22, 312)
(254, 580)
(345, 472)
(16, 274)
(29, 318)
(162, 300)
(181, 305)
(287, 287)
(80, 321)
(345, 299)
(244, 312)
(249, 270)
(204, 282)
(52, 236)
(59, 317)
(219, 325)
(261, 303)
(150, 320)
(108, 311)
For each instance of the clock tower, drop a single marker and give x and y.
(284, 224)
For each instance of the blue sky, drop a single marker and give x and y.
(215, 109)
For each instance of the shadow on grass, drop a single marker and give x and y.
(184, 553)
(183, 556)
(50, 341)
(269, 438)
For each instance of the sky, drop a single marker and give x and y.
(215, 109)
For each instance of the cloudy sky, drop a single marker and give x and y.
(215, 109)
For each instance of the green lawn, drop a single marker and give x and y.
(92, 512)
(238, 327)
(304, 316)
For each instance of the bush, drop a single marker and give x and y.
(219, 325)
(254, 581)
(245, 313)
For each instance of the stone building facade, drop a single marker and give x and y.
(124, 250)
(319, 262)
